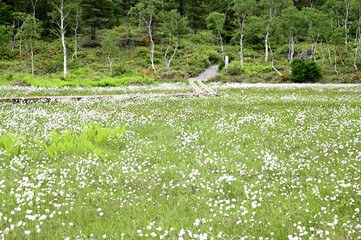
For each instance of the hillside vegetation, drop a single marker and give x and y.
(114, 43)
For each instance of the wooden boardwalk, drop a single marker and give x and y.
(197, 91)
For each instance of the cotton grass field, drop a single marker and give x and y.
(258, 162)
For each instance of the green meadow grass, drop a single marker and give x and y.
(259, 161)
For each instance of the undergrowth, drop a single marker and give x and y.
(92, 139)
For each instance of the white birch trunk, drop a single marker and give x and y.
(151, 44)
(266, 43)
(110, 64)
(336, 61)
(267, 35)
(222, 49)
(347, 6)
(32, 59)
(14, 37)
(64, 45)
(329, 51)
(20, 45)
(241, 49)
(167, 63)
(357, 49)
(76, 38)
(273, 66)
(323, 55)
(314, 51)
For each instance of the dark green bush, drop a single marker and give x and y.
(235, 69)
(122, 69)
(305, 71)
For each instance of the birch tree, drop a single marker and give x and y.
(77, 18)
(356, 12)
(315, 22)
(31, 32)
(18, 24)
(290, 23)
(243, 10)
(147, 10)
(174, 26)
(109, 44)
(62, 10)
(215, 22)
(272, 9)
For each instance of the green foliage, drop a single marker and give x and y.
(305, 71)
(10, 144)
(215, 22)
(122, 69)
(5, 35)
(83, 77)
(142, 52)
(6, 79)
(91, 139)
(235, 69)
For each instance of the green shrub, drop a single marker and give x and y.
(7, 78)
(74, 64)
(142, 52)
(214, 56)
(221, 65)
(121, 69)
(305, 71)
(235, 69)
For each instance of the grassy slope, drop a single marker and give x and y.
(92, 68)
(257, 162)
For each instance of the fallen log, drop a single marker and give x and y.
(56, 98)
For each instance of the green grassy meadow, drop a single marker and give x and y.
(258, 162)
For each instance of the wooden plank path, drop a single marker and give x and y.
(123, 97)
(197, 91)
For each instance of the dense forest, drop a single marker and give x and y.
(179, 38)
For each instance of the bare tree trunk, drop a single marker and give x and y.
(347, 7)
(241, 49)
(266, 43)
(267, 35)
(167, 63)
(110, 64)
(14, 38)
(291, 48)
(357, 49)
(298, 50)
(64, 53)
(20, 45)
(222, 49)
(273, 66)
(62, 29)
(323, 55)
(329, 51)
(151, 44)
(76, 38)
(335, 60)
(32, 59)
(140, 19)
(314, 51)
(128, 26)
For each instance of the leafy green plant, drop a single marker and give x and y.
(235, 69)
(9, 144)
(305, 71)
(93, 137)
